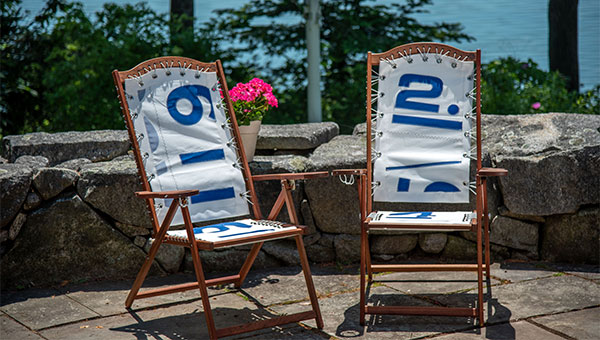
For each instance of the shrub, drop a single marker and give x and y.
(511, 86)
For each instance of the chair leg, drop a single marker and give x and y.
(363, 255)
(479, 277)
(210, 322)
(487, 246)
(158, 239)
(248, 263)
(141, 276)
(368, 259)
(309, 281)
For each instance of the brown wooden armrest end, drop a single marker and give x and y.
(491, 172)
(167, 194)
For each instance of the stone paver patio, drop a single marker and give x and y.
(528, 301)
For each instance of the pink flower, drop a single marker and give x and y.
(252, 99)
(536, 105)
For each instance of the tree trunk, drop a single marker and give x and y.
(562, 42)
(179, 7)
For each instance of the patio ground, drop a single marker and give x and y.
(524, 301)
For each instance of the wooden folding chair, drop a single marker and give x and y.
(420, 125)
(193, 169)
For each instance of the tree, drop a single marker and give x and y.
(56, 70)
(562, 42)
(348, 30)
(182, 21)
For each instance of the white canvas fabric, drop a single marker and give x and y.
(231, 230)
(459, 219)
(422, 130)
(183, 136)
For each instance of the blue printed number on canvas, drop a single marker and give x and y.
(422, 215)
(190, 93)
(403, 96)
(223, 227)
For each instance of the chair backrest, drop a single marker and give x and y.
(185, 136)
(421, 121)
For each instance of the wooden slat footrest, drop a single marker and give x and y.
(406, 310)
(424, 267)
(186, 286)
(249, 327)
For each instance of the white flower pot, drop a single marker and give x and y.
(249, 134)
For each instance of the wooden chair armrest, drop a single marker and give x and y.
(167, 194)
(491, 172)
(339, 172)
(290, 176)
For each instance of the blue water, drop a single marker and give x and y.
(517, 28)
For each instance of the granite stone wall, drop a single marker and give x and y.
(68, 212)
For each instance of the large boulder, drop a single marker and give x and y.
(284, 251)
(68, 241)
(572, 238)
(322, 250)
(50, 182)
(228, 260)
(347, 248)
(33, 162)
(553, 161)
(110, 187)
(515, 234)
(15, 180)
(393, 244)
(295, 136)
(58, 147)
(432, 243)
(169, 256)
(334, 205)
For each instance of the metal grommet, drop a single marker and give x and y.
(439, 60)
(453, 64)
(168, 73)
(381, 94)
(382, 77)
(182, 73)
(425, 58)
(409, 60)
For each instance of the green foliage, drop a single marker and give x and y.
(348, 30)
(511, 86)
(56, 70)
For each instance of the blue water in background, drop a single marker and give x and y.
(517, 28)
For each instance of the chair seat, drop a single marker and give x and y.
(422, 220)
(239, 229)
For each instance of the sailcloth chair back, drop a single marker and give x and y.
(184, 137)
(423, 109)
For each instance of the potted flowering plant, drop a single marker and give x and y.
(251, 101)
